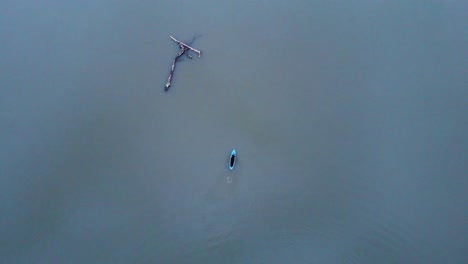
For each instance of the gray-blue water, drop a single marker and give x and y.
(349, 119)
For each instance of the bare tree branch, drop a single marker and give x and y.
(183, 48)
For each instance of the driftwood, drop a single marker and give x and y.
(183, 48)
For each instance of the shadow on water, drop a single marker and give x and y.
(195, 37)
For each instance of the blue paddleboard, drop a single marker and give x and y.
(232, 159)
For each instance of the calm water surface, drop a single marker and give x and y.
(349, 119)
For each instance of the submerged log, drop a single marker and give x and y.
(183, 48)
